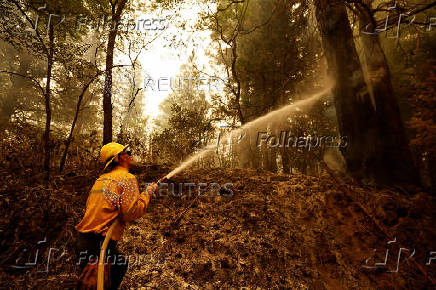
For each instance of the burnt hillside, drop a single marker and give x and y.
(268, 231)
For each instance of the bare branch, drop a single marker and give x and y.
(27, 77)
(32, 25)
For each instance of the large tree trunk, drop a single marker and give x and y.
(354, 108)
(107, 91)
(47, 103)
(365, 122)
(396, 152)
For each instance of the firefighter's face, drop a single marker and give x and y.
(126, 158)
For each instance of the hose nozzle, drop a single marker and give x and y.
(163, 179)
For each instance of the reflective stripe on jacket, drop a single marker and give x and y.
(113, 194)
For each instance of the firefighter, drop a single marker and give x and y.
(115, 194)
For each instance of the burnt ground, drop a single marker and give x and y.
(268, 231)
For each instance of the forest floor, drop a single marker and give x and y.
(269, 231)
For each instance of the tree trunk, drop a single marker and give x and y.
(370, 125)
(47, 104)
(286, 160)
(272, 159)
(73, 125)
(107, 91)
(432, 171)
(396, 152)
(355, 111)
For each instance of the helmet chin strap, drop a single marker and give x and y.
(122, 163)
(117, 157)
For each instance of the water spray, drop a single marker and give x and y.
(268, 117)
(284, 111)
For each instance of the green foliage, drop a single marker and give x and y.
(188, 127)
(271, 55)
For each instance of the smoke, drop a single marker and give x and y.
(271, 119)
(334, 159)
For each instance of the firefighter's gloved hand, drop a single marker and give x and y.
(151, 189)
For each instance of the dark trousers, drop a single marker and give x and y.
(88, 246)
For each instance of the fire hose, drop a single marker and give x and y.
(100, 271)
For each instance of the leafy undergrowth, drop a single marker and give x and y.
(269, 231)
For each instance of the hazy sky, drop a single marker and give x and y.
(161, 60)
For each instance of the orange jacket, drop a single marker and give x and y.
(114, 194)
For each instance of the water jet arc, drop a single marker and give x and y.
(284, 111)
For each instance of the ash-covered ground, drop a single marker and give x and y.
(268, 231)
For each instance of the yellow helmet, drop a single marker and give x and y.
(109, 151)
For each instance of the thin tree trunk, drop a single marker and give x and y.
(286, 162)
(237, 93)
(107, 91)
(73, 125)
(272, 159)
(47, 104)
